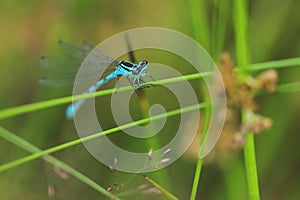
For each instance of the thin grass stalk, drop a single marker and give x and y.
(219, 24)
(201, 28)
(20, 142)
(14, 111)
(18, 110)
(240, 18)
(161, 188)
(26, 159)
(198, 10)
(144, 105)
(216, 46)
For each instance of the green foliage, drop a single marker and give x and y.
(264, 32)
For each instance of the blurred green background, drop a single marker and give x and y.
(29, 29)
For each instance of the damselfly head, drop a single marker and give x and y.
(143, 63)
(140, 69)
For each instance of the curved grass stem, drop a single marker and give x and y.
(240, 18)
(162, 189)
(96, 135)
(250, 167)
(7, 135)
(18, 110)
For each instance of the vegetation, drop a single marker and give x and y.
(255, 45)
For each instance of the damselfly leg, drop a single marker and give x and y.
(62, 70)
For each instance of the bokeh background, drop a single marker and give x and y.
(29, 29)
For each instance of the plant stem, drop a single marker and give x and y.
(201, 29)
(250, 166)
(240, 18)
(26, 159)
(17, 110)
(14, 111)
(33, 149)
(198, 10)
(206, 123)
(162, 189)
(219, 26)
(274, 64)
(196, 178)
(289, 87)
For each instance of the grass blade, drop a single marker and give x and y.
(221, 15)
(162, 189)
(240, 18)
(198, 10)
(96, 135)
(7, 135)
(275, 64)
(14, 111)
(18, 110)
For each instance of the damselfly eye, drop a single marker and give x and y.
(144, 62)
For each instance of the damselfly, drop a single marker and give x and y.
(64, 69)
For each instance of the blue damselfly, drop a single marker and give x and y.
(62, 70)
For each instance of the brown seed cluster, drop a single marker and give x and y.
(241, 95)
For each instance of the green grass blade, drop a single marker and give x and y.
(14, 111)
(10, 112)
(284, 88)
(20, 142)
(218, 35)
(288, 87)
(221, 15)
(18, 110)
(94, 136)
(275, 64)
(206, 122)
(196, 178)
(250, 167)
(240, 18)
(162, 189)
(198, 10)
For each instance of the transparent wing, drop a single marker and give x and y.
(77, 51)
(62, 70)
